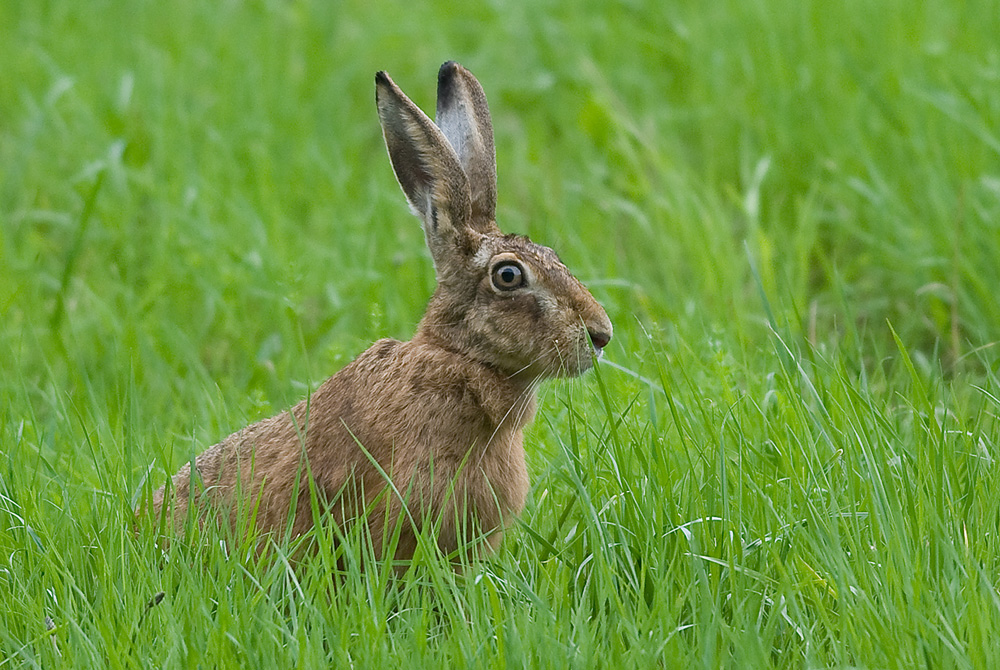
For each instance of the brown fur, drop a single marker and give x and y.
(441, 415)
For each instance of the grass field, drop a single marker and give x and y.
(790, 209)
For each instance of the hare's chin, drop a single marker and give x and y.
(587, 359)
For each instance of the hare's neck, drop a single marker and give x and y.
(445, 339)
(509, 400)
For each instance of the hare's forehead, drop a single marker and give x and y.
(519, 246)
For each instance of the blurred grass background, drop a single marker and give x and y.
(198, 224)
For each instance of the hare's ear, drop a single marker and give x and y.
(464, 117)
(430, 174)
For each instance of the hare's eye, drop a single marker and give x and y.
(508, 276)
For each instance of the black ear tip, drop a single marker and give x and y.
(448, 70)
(383, 85)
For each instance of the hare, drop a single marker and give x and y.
(425, 434)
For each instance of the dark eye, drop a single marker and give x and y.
(508, 276)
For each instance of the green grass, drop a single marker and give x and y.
(790, 209)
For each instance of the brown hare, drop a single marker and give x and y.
(426, 434)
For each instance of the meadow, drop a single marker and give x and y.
(789, 208)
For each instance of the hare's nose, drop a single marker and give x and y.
(599, 338)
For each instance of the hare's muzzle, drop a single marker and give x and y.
(599, 338)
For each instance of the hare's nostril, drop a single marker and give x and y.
(599, 339)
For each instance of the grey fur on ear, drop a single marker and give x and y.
(463, 115)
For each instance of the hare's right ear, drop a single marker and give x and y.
(464, 117)
(430, 174)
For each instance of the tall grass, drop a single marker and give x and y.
(789, 210)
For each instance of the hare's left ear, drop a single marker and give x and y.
(430, 174)
(464, 117)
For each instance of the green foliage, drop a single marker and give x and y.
(198, 224)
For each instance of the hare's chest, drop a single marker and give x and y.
(501, 475)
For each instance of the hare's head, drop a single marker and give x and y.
(501, 299)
